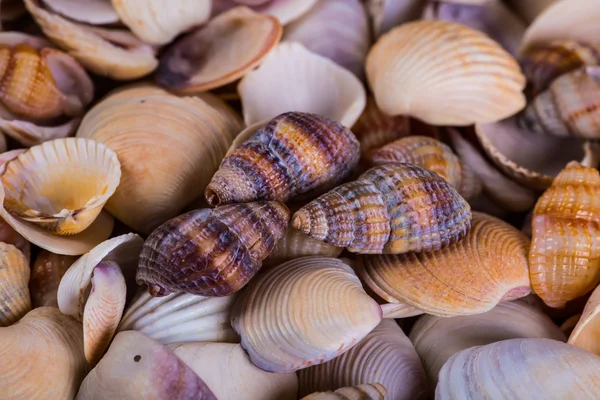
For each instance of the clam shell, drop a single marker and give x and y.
(392, 208)
(436, 339)
(285, 11)
(235, 42)
(189, 135)
(373, 391)
(158, 22)
(137, 367)
(228, 371)
(444, 74)
(399, 310)
(386, 14)
(471, 276)
(272, 314)
(385, 355)
(14, 292)
(61, 185)
(520, 369)
(124, 250)
(586, 332)
(46, 273)
(319, 85)
(95, 12)
(30, 134)
(211, 252)
(336, 29)
(294, 154)
(564, 261)
(181, 317)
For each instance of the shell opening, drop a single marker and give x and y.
(301, 221)
(212, 197)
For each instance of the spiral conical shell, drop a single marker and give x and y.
(295, 153)
(14, 279)
(375, 391)
(303, 312)
(487, 266)
(211, 252)
(46, 273)
(392, 208)
(564, 260)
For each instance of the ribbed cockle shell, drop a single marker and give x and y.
(564, 260)
(294, 154)
(375, 391)
(46, 274)
(303, 312)
(211, 252)
(392, 208)
(14, 290)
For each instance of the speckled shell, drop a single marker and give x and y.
(211, 252)
(14, 278)
(392, 208)
(489, 265)
(303, 312)
(294, 154)
(46, 274)
(564, 260)
(385, 355)
(586, 327)
(375, 391)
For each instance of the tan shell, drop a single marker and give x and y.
(14, 278)
(228, 371)
(374, 391)
(385, 355)
(235, 43)
(272, 315)
(200, 127)
(530, 9)
(46, 273)
(387, 14)
(487, 266)
(399, 310)
(42, 357)
(30, 134)
(587, 331)
(569, 325)
(444, 74)
(564, 261)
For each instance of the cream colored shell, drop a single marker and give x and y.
(14, 290)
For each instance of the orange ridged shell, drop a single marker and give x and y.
(564, 260)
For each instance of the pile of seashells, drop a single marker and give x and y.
(299, 199)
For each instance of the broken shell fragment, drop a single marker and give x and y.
(586, 332)
(374, 391)
(46, 273)
(211, 252)
(14, 291)
(326, 314)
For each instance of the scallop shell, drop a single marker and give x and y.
(158, 22)
(227, 369)
(373, 391)
(386, 14)
(61, 185)
(235, 42)
(14, 292)
(385, 355)
(211, 252)
(190, 135)
(392, 208)
(469, 277)
(285, 11)
(42, 357)
(46, 273)
(444, 74)
(586, 332)
(319, 86)
(96, 12)
(336, 29)
(564, 260)
(181, 317)
(436, 339)
(272, 315)
(137, 367)
(521, 369)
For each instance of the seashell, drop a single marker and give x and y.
(96, 12)
(386, 14)
(564, 261)
(374, 391)
(392, 208)
(9, 236)
(29, 134)
(114, 53)
(436, 339)
(520, 369)
(568, 326)
(228, 371)
(42, 357)
(158, 22)
(294, 154)
(124, 250)
(188, 68)
(399, 310)
(444, 74)
(285, 11)
(61, 185)
(586, 331)
(529, 10)
(46, 273)
(137, 367)
(336, 29)
(272, 314)
(14, 292)
(181, 317)
(103, 309)
(211, 252)
(385, 355)
(201, 127)
(320, 86)
(471, 276)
